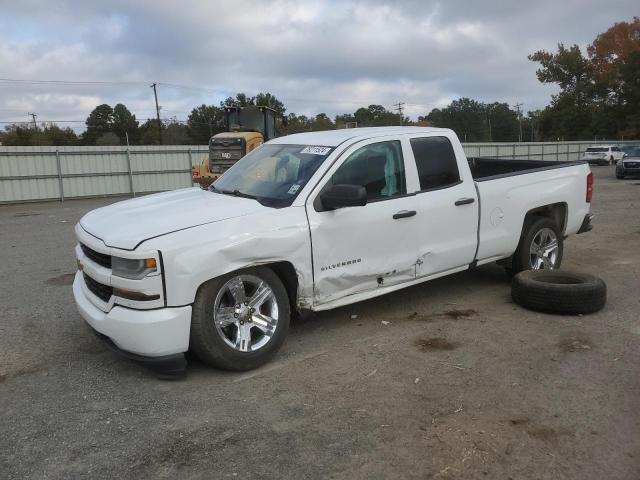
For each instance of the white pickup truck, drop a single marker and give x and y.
(312, 221)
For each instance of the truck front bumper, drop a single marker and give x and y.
(158, 333)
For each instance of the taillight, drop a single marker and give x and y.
(589, 187)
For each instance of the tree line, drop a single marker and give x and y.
(599, 96)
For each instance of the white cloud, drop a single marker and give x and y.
(324, 56)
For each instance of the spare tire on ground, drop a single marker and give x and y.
(558, 291)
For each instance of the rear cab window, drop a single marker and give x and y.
(436, 162)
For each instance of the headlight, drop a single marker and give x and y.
(133, 269)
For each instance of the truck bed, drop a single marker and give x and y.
(483, 168)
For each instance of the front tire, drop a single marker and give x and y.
(541, 247)
(240, 320)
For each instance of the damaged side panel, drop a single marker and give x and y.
(209, 251)
(358, 249)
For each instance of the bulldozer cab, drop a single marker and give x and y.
(247, 128)
(252, 119)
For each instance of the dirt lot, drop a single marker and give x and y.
(460, 383)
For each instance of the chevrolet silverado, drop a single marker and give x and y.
(312, 221)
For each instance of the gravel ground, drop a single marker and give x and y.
(447, 379)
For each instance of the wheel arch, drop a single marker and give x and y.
(289, 277)
(554, 211)
(285, 271)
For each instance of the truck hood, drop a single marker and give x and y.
(127, 224)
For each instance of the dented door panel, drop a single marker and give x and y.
(362, 248)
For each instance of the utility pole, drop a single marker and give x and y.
(33, 115)
(399, 107)
(155, 94)
(517, 107)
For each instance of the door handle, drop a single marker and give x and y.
(404, 214)
(464, 201)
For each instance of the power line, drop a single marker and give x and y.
(68, 82)
(191, 87)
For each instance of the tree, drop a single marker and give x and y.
(59, 136)
(375, 116)
(240, 100)
(108, 138)
(99, 122)
(124, 124)
(630, 95)
(568, 68)
(204, 122)
(321, 122)
(268, 100)
(343, 120)
(571, 111)
(176, 133)
(592, 93)
(611, 50)
(45, 134)
(467, 117)
(149, 132)
(502, 123)
(296, 124)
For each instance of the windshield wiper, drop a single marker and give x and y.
(238, 193)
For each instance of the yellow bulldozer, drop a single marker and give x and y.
(247, 128)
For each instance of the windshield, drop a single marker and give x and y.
(632, 150)
(272, 174)
(246, 119)
(596, 149)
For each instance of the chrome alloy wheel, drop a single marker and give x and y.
(543, 252)
(246, 313)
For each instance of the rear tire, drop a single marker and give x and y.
(533, 229)
(244, 340)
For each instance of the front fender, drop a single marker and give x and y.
(193, 256)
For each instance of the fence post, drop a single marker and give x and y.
(133, 193)
(59, 175)
(557, 152)
(542, 158)
(528, 151)
(497, 151)
(190, 166)
(514, 152)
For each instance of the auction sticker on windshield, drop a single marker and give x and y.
(316, 150)
(294, 188)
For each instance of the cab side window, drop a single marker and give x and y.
(378, 167)
(436, 162)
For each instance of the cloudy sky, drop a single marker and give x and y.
(318, 56)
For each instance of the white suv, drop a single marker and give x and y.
(603, 154)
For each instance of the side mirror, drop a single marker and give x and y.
(339, 196)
